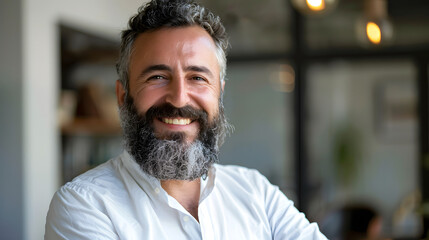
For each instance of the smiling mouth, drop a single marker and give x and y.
(176, 121)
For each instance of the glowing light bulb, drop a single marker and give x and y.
(373, 32)
(316, 5)
(374, 28)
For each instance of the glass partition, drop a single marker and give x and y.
(258, 102)
(255, 26)
(362, 140)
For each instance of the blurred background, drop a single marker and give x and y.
(329, 99)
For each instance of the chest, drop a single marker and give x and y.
(221, 216)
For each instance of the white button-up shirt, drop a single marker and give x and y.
(117, 200)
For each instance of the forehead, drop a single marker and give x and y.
(167, 45)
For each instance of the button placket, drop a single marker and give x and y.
(205, 223)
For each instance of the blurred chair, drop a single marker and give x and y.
(352, 222)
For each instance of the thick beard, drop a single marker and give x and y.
(171, 157)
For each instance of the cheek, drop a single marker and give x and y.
(146, 99)
(209, 101)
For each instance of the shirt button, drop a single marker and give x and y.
(185, 218)
(156, 190)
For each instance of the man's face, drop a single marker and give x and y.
(173, 119)
(177, 66)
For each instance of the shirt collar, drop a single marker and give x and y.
(145, 180)
(207, 184)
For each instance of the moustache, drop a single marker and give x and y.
(166, 110)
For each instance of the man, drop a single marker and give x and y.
(166, 184)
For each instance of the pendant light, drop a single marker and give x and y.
(374, 28)
(314, 7)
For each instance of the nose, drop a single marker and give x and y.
(178, 94)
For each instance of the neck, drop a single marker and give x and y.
(187, 193)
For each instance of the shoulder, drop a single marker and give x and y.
(239, 173)
(80, 203)
(242, 178)
(87, 192)
(93, 184)
(97, 177)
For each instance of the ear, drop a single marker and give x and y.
(222, 85)
(120, 93)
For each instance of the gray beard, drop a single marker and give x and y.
(172, 158)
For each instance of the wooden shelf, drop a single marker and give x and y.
(91, 126)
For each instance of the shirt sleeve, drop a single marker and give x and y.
(74, 213)
(285, 220)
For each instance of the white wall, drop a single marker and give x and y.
(40, 33)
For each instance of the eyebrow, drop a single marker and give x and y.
(201, 69)
(158, 67)
(163, 67)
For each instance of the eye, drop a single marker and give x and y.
(156, 77)
(197, 78)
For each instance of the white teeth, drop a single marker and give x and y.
(176, 121)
